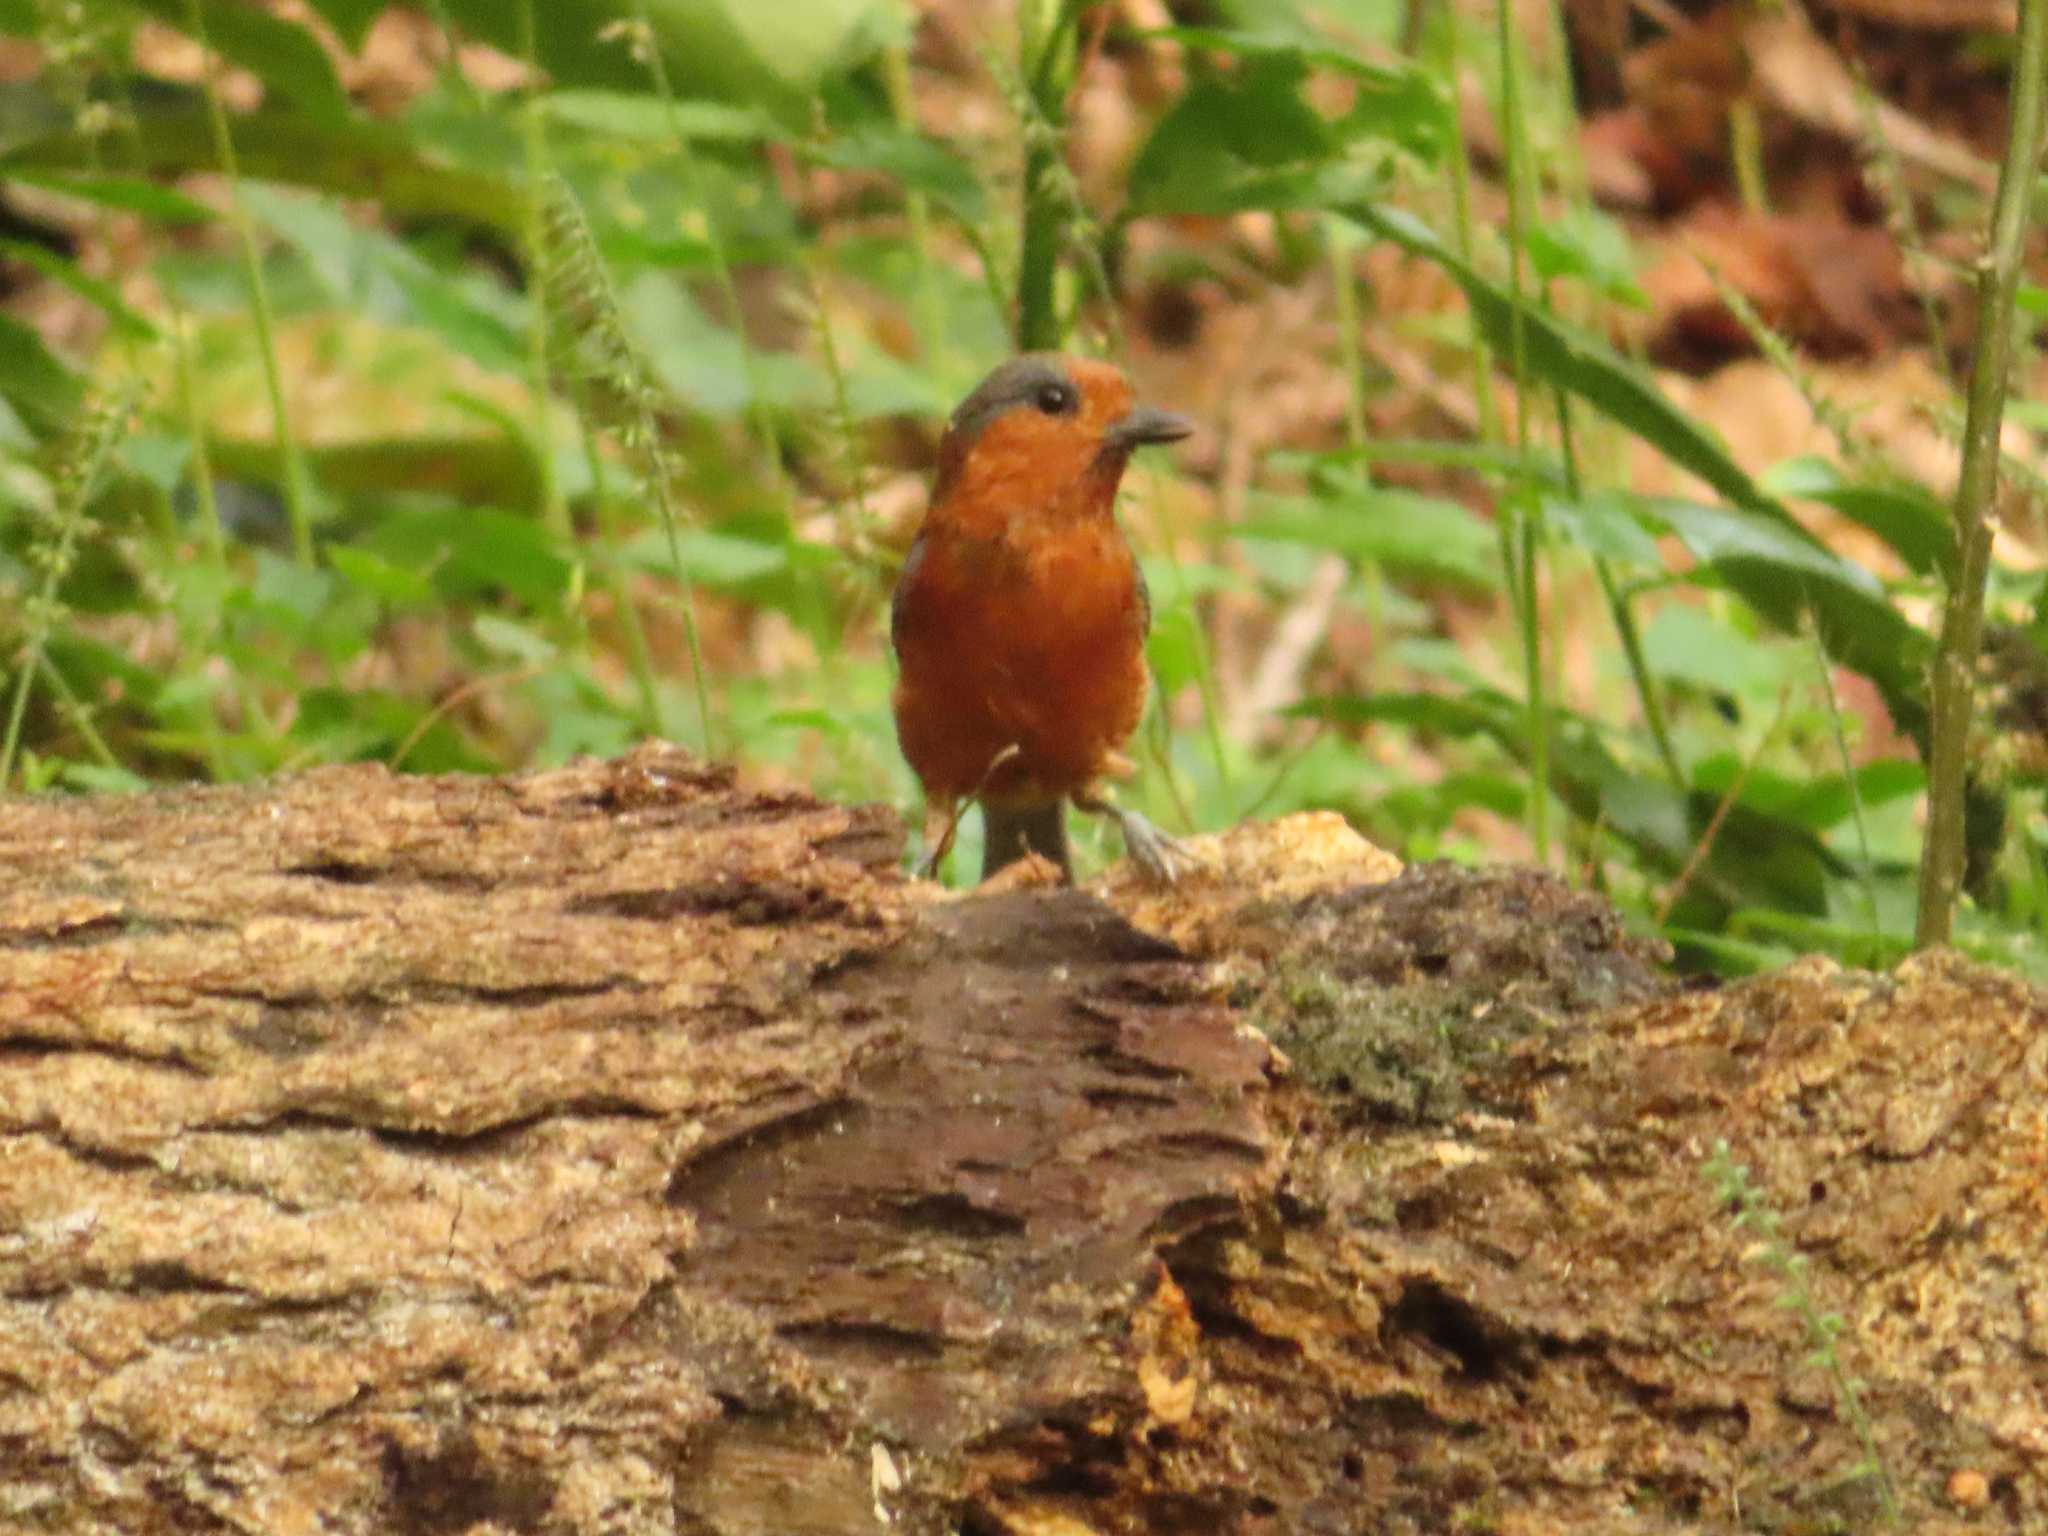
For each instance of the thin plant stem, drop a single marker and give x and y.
(298, 496)
(1745, 153)
(80, 460)
(1865, 866)
(575, 270)
(79, 715)
(1042, 56)
(533, 143)
(1618, 608)
(1962, 621)
(1343, 282)
(1705, 846)
(638, 656)
(1523, 562)
(1464, 243)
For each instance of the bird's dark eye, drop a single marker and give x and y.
(1056, 399)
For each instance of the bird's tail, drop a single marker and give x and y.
(1011, 831)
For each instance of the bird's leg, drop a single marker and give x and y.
(944, 816)
(1163, 859)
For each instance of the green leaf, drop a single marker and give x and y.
(774, 56)
(379, 577)
(1729, 956)
(513, 640)
(35, 383)
(1825, 802)
(1174, 648)
(918, 163)
(368, 269)
(1853, 945)
(283, 55)
(1400, 104)
(1906, 516)
(475, 552)
(1584, 243)
(1755, 859)
(103, 779)
(1403, 530)
(143, 197)
(1575, 361)
(99, 293)
(485, 470)
(1683, 644)
(1247, 138)
(1785, 574)
(649, 119)
(709, 558)
(353, 157)
(1785, 577)
(1604, 523)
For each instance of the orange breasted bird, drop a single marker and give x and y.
(1020, 616)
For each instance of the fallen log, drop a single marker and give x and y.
(618, 1149)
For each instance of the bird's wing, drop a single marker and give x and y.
(912, 563)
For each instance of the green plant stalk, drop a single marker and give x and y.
(209, 509)
(1482, 354)
(81, 458)
(1205, 672)
(1464, 244)
(1962, 619)
(80, 716)
(639, 658)
(533, 144)
(1044, 64)
(1867, 868)
(1746, 154)
(1617, 607)
(1344, 284)
(577, 266)
(1514, 132)
(298, 497)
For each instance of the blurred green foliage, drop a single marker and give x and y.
(605, 377)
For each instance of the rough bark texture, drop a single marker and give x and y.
(616, 1150)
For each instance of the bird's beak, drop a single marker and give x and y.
(1148, 424)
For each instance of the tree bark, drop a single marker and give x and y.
(617, 1149)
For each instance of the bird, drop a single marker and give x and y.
(1020, 615)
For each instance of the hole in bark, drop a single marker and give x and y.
(1452, 1325)
(956, 1216)
(453, 1487)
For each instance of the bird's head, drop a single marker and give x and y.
(1044, 435)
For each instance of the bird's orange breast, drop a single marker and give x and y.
(1032, 639)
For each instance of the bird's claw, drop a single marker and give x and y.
(1160, 858)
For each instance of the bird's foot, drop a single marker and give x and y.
(1162, 859)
